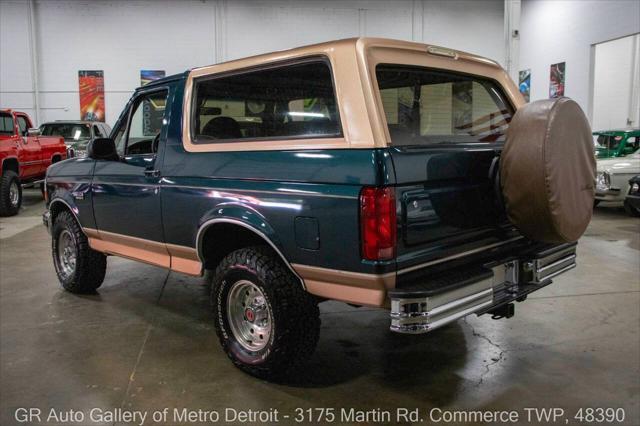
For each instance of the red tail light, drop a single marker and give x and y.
(378, 223)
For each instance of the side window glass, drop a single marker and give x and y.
(632, 144)
(97, 132)
(289, 101)
(145, 124)
(22, 125)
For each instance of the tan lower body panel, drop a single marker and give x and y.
(351, 287)
(177, 258)
(184, 259)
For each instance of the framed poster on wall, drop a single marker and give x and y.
(147, 76)
(556, 80)
(524, 84)
(91, 89)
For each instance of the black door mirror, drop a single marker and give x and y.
(102, 149)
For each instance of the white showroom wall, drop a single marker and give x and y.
(553, 31)
(123, 37)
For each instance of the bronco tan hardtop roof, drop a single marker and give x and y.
(353, 63)
(358, 43)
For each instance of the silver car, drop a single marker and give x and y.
(612, 179)
(76, 134)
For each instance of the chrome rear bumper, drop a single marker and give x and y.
(422, 308)
(419, 315)
(547, 266)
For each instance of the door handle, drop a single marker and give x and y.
(152, 173)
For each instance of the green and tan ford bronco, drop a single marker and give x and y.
(375, 172)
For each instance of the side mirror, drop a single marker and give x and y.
(102, 149)
(34, 131)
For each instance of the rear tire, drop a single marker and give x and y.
(267, 324)
(80, 269)
(10, 194)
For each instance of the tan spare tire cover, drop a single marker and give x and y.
(547, 171)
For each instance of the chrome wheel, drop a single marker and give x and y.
(14, 193)
(249, 315)
(66, 254)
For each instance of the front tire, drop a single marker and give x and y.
(80, 269)
(10, 194)
(267, 324)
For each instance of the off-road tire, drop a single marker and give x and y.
(90, 265)
(7, 208)
(631, 211)
(296, 317)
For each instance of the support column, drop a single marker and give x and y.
(33, 46)
(633, 118)
(220, 23)
(417, 21)
(512, 37)
(362, 22)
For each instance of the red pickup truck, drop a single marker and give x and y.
(24, 157)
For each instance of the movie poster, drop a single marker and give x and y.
(556, 80)
(91, 85)
(525, 84)
(152, 112)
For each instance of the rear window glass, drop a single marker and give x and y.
(425, 106)
(6, 124)
(292, 101)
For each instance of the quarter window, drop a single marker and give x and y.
(424, 106)
(292, 101)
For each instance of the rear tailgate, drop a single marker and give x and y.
(447, 202)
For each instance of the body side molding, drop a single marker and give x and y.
(177, 258)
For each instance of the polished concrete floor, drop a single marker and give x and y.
(146, 342)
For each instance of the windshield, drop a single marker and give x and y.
(6, 124)
(69, 131)
(425, 106)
